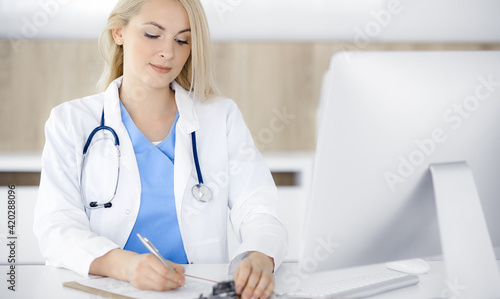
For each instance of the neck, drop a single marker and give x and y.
(152, 109)
(146, 102)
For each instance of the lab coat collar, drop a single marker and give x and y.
(112, 112)
(188, 120)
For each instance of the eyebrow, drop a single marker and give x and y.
(163, 28)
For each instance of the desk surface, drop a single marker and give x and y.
(46, 281)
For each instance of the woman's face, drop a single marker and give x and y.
(156, 44)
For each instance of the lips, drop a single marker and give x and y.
(160, 69)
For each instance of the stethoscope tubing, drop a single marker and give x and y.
(93, 205)
(195, 156)
(101, 127)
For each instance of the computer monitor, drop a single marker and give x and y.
(390, 117)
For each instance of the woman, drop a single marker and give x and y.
(161, 90)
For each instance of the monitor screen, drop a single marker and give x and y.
(388, 117)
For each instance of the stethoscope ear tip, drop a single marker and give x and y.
(94, 204)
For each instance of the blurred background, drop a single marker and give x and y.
(270, 55)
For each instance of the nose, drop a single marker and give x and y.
(167, 50)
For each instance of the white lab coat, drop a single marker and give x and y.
(71, 237)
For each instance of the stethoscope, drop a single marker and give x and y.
(199, 191)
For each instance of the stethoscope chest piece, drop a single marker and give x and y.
(201, 193)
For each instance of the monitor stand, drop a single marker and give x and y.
(471, 267)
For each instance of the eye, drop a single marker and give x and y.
(182, 42)
(151, 36)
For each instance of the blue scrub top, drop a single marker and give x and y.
(157, 218)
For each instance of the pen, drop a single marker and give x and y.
(155, 252)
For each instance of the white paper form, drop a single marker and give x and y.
(195, 287)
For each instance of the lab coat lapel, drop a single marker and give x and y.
(113, 118)
(130, 181)
(187, 123)
(112, 113)
(188, 119)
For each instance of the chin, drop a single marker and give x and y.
(159, 82)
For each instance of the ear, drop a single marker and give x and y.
(117, 36)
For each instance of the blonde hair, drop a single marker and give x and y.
(197, 75)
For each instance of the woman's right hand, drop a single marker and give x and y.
(147, 272)
(143, 271)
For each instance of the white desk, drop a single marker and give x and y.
(46, 281)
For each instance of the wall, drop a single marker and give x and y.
(276, 84)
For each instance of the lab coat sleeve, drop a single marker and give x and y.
(252, 197)
(60, 222)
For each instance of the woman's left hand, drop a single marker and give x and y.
(254, 276)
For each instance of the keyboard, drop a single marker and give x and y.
(356, 287)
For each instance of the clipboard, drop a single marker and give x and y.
(76, 285)
(113, 288)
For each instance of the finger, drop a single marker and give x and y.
(261, 285)
(176, 277)
(147, 279)
(241, 275)
(252, 282)
(161, 283)
(265, 287)
(177, 267)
